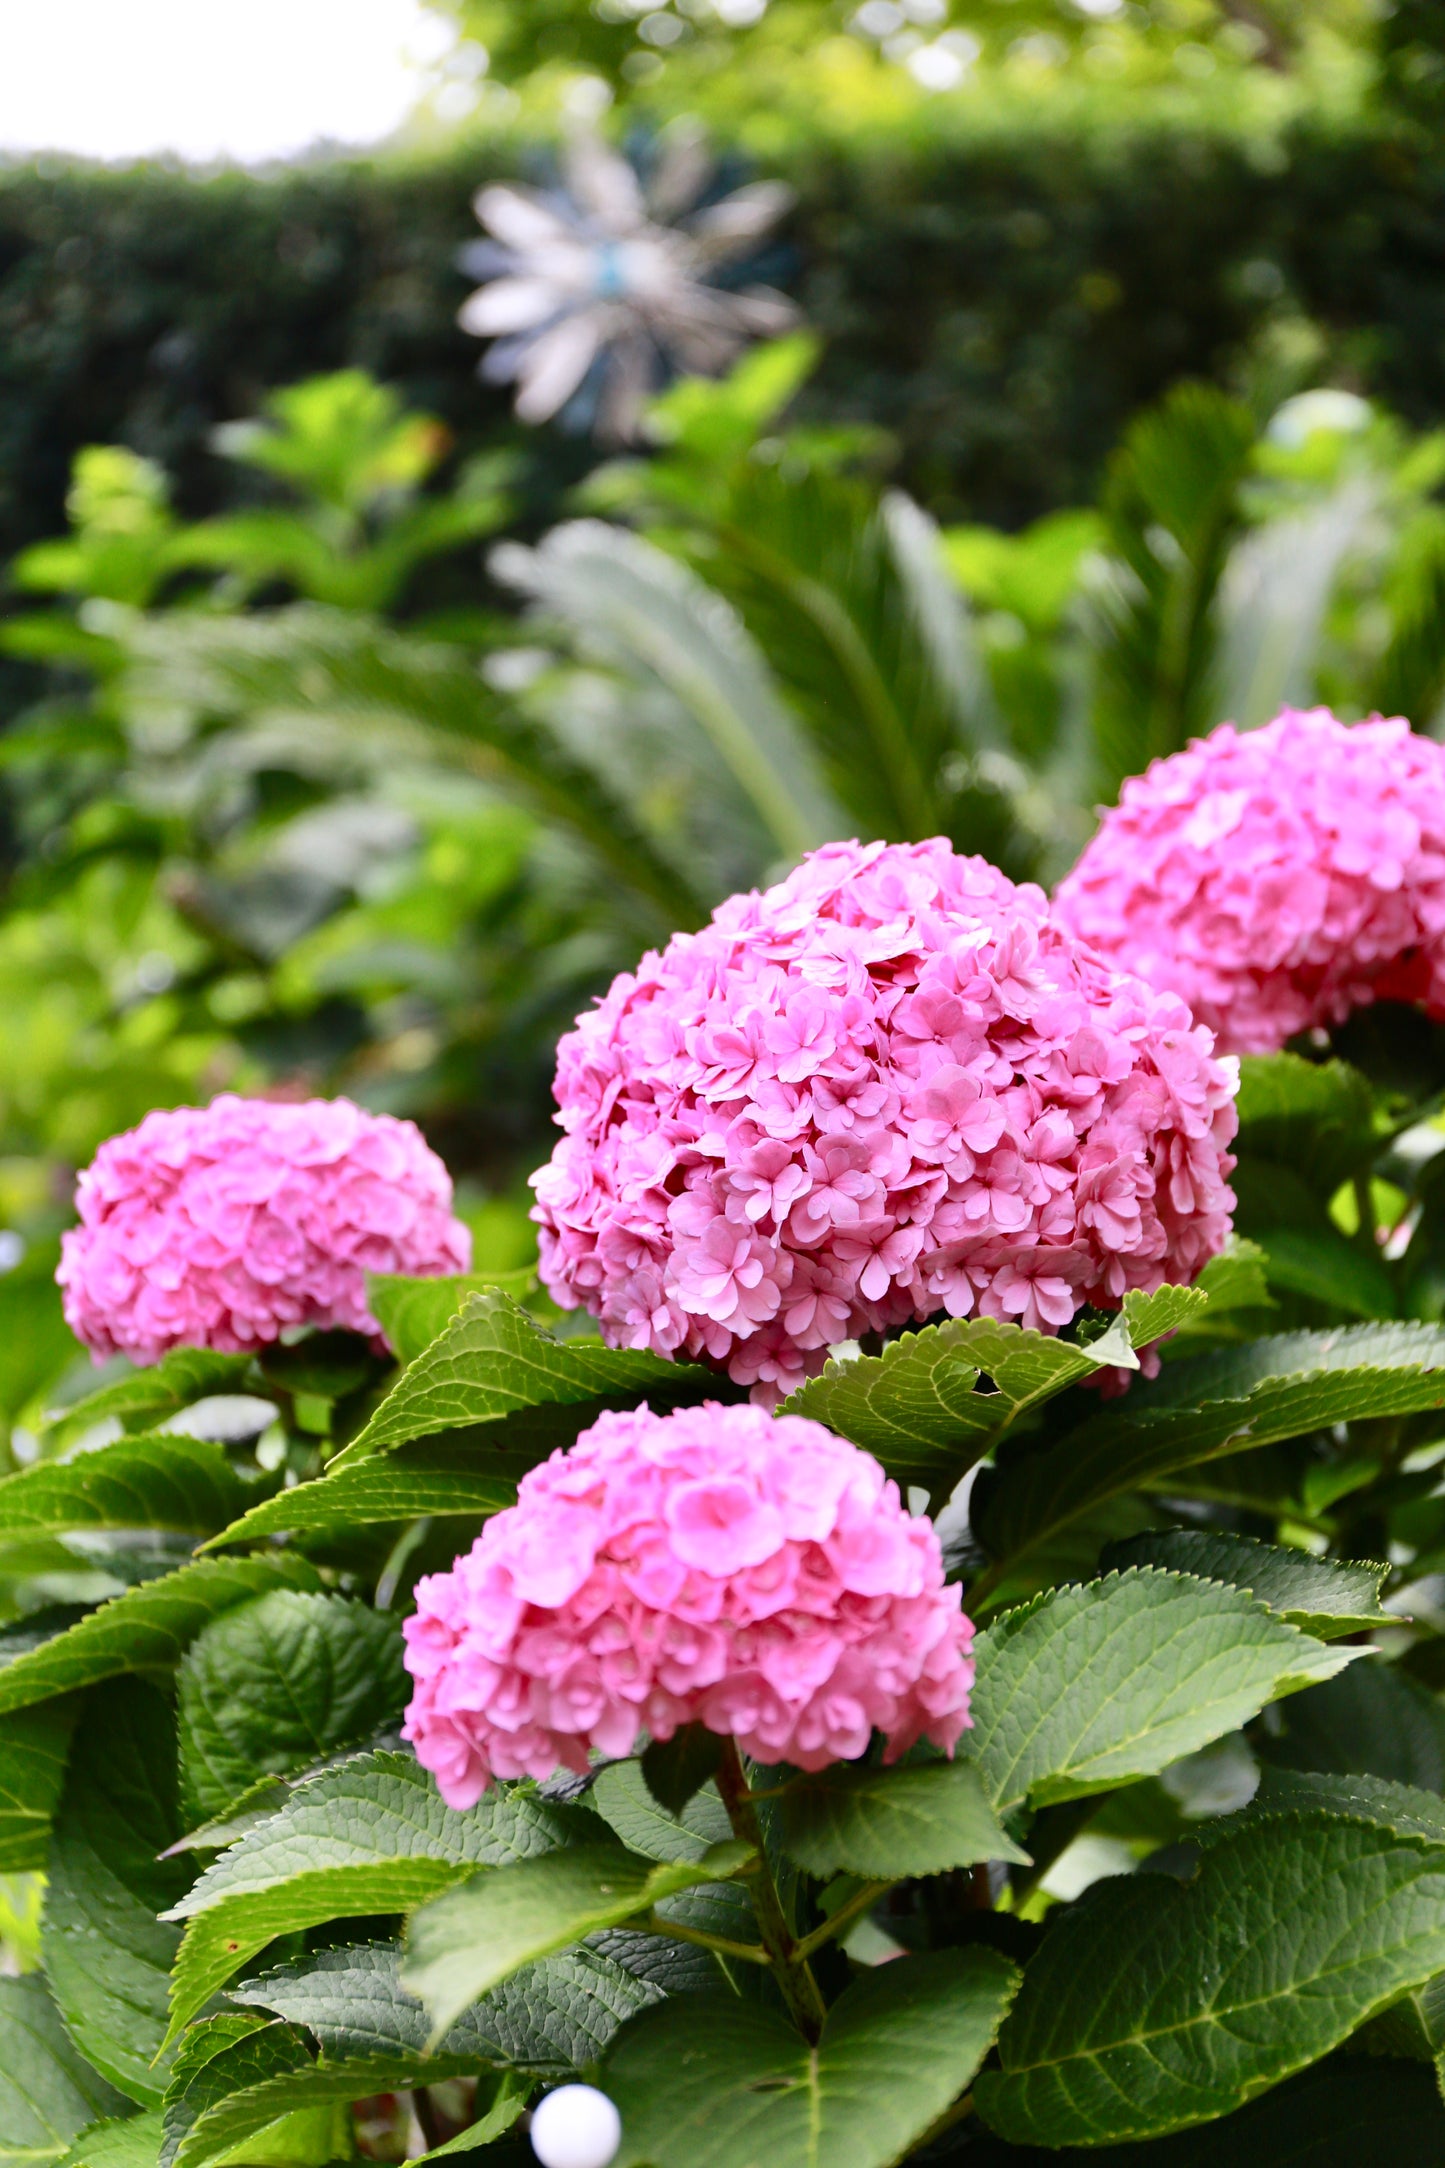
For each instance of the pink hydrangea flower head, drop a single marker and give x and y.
(1276, 879)
(890, 1087)
(220, 1226)
(718, 1566)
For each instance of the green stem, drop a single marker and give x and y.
(751, 1953)
(862, 1900)
(800, 1991)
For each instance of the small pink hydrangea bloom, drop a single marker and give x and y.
(1276, 879)
(220, 1226)
(890, 1087)
(714, 1566)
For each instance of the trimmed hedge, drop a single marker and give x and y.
(1002, 305)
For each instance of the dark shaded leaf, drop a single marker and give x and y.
(923, 1818)
(277, 1683)
(147, 1629)
(107, 1955)
(707, 2083)
(48, 2092)
(677, 1768)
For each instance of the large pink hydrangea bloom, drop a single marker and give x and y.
(890, 1087)
(717, 1565)
(1276, 878)
(220, 1226)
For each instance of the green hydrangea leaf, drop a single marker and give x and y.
(923, 1818)
(1223, 1402)
(1094, 1685)
(372, 1835)
(414, 1312)
(916, 1406)
(707, 2083)
(34, 1744)
(475, 1936)
(175, 1484)
(276, 1683)
(186, 1374)
(492, 1360)
(48, 2091)
(147, 1629)
(1155, 2004)
(441, 1477)
(107, 1955)
(1322, 1596)
(552, 2018)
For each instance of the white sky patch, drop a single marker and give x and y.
(209, 79)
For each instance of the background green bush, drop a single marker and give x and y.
(1001, 300)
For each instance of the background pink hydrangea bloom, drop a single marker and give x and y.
(218, 1226)
(717, 1565)
(1278, 878)
(891, 1086)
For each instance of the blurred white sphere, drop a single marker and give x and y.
(575, 2127)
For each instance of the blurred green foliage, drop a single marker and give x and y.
(1001, 282)
(273, 824)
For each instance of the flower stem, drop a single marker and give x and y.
(800, 1991)
(751, 1953)
(862, 1900)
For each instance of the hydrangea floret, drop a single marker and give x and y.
(890, 1087)
(1276, 879)
(717, 1565)
(221, 1226)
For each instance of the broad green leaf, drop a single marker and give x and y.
(494, 1359)
(1153, 2004)
(1092, 1686)
(623, 1799)
(186, 1374)
(1234, 1280)
(175, 1484)
(553, 2017)
(1325, 1597)
(288, 2121)
(37, 1347)
(134, 2142)
(33, 1748)
(1320, 1263)
(1349, 2112)
(107, 1955)
(1372, 1721)
(681, 1968)
(48, 2092)
(719, 2083)
(1403, 1808)
(1315, 1117)
(201, 2043)
(916, 1405)
(675, 1769)
(475, 1936)
(444, 1477)
(1204, 1405)
(924, 1818)
(508, 2108)
(279, 1682)
(147, 1629)
(372, 1835)
(651, 615)
(378, 684)
(290, 2114)
(36, 1628)
(412, 1313)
